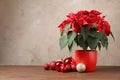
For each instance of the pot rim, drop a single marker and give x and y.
(87, 50)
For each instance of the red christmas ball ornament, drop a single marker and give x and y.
(63, 68)
(73, 61)
(52, 65)
(46, 66)
(67, 60)
(73, 66)
(57, 65)
(68, 67)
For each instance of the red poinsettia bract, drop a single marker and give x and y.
(90, 19)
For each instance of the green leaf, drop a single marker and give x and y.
(71, 36)
(84, 33)
(65, 29)
(99, 46)
(104, 41)
(63, 41)
(93, 39)
(71, 46)
(112, 36)
(94, 34)
(80, 41)
(93, 42)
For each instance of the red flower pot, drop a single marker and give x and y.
(88, 57)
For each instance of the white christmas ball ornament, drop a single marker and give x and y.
(80, 67)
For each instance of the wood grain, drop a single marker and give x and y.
(38, 73)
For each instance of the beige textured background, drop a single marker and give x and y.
(29, 34)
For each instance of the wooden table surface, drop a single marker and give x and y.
(38, 73)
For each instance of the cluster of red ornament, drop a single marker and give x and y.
(86, 18)
(66, 65)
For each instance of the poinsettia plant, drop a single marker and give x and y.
(87, 29)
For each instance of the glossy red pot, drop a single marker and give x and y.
(88, 57)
